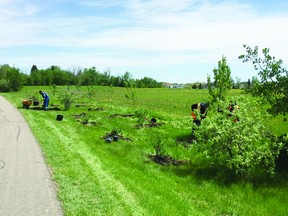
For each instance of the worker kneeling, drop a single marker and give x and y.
(232, 107)
(199, 112)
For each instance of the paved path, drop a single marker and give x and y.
(25, 181)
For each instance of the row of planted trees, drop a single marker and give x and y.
(12, 79)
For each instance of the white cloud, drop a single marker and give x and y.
(101, 3)
(150, 34)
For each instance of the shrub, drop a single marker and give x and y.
(282, 158)
(67, 97)
(237, 142)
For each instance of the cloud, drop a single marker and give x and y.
(150, 35)
(16, 8)
(101, 3)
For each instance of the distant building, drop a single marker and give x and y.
(187, 85)
(166, 85)
(176, 86)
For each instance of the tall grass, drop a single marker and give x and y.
(100, 178)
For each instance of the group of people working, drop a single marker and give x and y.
(200, 110)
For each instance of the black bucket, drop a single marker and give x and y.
(59, 117)
(35, 103)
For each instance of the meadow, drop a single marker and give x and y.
(97, 176)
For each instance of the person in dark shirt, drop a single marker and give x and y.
(202, 109)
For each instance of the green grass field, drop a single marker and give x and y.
(95, 177)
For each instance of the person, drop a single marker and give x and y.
(200, 109)
(46, 99)
(231, 108)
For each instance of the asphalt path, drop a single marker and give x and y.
(26, 187)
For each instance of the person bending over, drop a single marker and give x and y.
(46, 99)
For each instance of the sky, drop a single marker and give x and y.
(176, 41)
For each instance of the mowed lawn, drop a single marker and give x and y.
(96, 177)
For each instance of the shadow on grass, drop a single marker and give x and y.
(185, 140)
(202, 171)
(223, 177)
(41, 108)
(201, 174)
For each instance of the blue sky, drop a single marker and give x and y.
(169, 40)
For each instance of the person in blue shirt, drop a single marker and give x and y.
(46, 99)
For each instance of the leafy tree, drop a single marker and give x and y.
(36, 78)
(237, 83)
(274, 79)
(125, 80)
(3, 71)
(34, 68)
(25, 78)
(70, 78)
(4, 85)
(248, 84)
(255, 81)
(115, 80)
(105, 78)
(222, 81)
(241, 146)
(46, 77)
(89, 76)
(54, 75)
(130, 87)
(67, 96)
(12, 79)
(147, 82)
(57, 76)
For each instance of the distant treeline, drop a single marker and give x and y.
(12, 79)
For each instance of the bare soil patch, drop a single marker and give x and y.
(166, 160)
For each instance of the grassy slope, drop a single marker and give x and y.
(96, 178)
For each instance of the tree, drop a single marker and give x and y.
(222, 81)
(57, 76)
(12, 79)
(237, 83)
(147, 82)
(105, 78)
(35, 77)
(248, 84)
(34, 68)
(89, 76)
(274, 79)
(243, 147)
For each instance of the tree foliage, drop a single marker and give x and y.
(222, 81)
(54, 75)
(272, 87)
(241, 146)
(10, 78)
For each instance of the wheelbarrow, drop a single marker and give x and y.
(26, 103)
